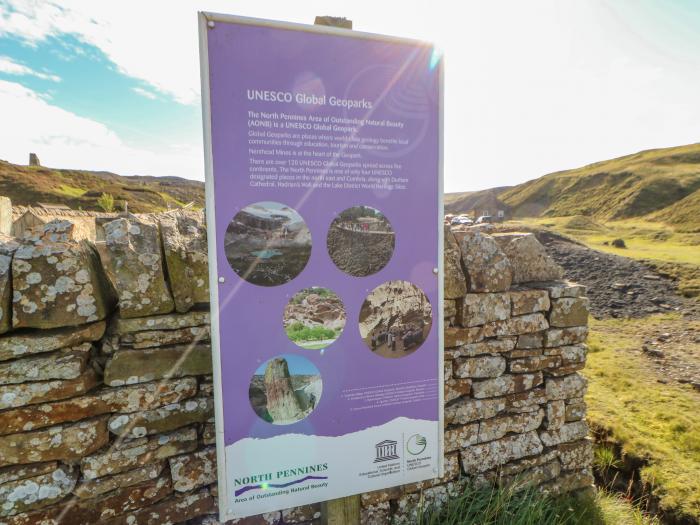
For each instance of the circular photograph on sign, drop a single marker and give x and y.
(395, 319)
(360, 241)
(267, 243)
(285, 389)
(314, 318)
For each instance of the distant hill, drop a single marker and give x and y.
(80, 189)
(475, 200)
(659, 184)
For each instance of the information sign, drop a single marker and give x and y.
(323, 155)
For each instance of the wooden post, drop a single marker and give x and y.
(341, 511)
(335, 21)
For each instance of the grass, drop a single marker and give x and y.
(644, 239)
(687, 275)
(298, 332)
(605, 459)
(506, 506)
(172, 201)
(683, 213)
(610, 509)
(653, 421)
(70, 191)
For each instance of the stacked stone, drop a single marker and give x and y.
(514, 343)
(106, 416)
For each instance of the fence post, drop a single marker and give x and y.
(341, 511)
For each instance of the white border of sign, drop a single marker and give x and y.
(205, 18)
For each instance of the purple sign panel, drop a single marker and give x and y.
(323, 201)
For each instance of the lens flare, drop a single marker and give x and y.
(435, 58)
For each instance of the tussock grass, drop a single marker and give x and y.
(508, 506)
(605, 459)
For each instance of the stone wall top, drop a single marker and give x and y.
(144, 265)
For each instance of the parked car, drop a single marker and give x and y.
(484, 219)
(461, 220)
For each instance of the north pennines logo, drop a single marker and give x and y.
(416, 444)
(275, 480)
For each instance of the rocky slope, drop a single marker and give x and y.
(315, 309)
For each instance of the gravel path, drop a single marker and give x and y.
(617, 286)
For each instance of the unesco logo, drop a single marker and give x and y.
(386, 451)
(416, 444)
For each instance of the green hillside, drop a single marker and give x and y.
(627, 187)
(685, 214)
(80, 189)
(469, 200)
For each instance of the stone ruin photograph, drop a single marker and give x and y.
(314, 318)
(285, 389)
(395, 319)
(267, 243)
(360, 241)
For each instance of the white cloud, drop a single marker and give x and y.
(10, 67)
(141, 40)
(144, 93)
(65, 140)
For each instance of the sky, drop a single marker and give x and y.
(530, 87)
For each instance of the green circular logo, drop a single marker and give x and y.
(416, 444)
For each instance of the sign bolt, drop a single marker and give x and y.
(222, 279)
(210, 24)
(435, 271)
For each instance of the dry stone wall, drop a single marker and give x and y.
(375, 247)
(106, 408)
